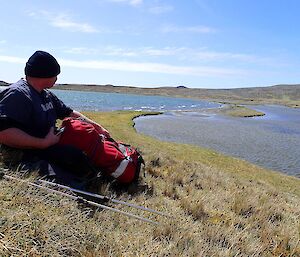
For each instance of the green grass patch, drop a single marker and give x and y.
(239, 111)
(220, 206)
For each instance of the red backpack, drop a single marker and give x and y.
(119, 160)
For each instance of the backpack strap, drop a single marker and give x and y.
(121, 168)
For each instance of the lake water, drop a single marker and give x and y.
(271, 141)
(97, 101)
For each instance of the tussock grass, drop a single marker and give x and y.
(220, 206)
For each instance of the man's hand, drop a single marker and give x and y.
(17, 138)
(51, 138)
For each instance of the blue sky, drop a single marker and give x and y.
(196, 43)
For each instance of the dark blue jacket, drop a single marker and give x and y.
(35, 113)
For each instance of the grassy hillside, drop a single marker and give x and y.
(288, 95)
(280, 94)
(220, 206)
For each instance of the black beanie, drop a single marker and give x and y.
(42, 65)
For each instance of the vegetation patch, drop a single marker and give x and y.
(220, 206)
(239, 111)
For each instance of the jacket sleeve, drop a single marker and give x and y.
(6, 123)
(15, 109)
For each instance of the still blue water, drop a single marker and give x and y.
(271, 141)
(97, 101)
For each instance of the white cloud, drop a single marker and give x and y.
(12, 59)
(118, 51)
(129, 52)
(151, 67)
(200, 71)
(135, 2)
(181, 53)
(225, 56)
(159, 52)
(107, 51)
(201, 55)
(63, 21)
(161, 9)
(82, 51)
(130, 2)
(190, 29)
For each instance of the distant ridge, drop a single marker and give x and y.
(284, 94)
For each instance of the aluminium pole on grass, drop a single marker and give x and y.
(76, 198)
(102, 197)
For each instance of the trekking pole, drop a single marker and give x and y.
(77, 198)
(102, 197)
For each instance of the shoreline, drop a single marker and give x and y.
(132, 115)
(229, 136)
(213, 152)
(232, 110)
(287, 95)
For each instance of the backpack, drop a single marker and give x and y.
(116, 159)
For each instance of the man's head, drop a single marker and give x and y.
(42, 65)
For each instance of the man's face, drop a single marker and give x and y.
(49, 82)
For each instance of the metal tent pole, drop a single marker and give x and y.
(82, 199)
(102, 197)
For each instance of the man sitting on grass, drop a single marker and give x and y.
(28, 114)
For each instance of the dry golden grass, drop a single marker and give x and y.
(220, 206)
